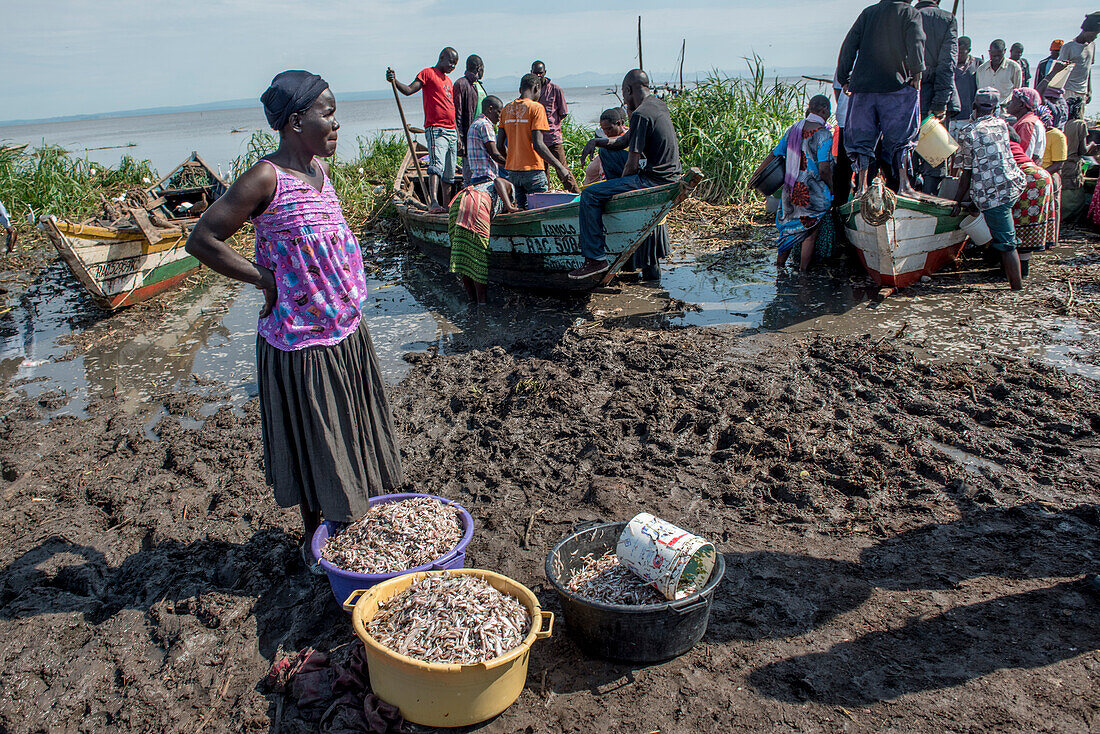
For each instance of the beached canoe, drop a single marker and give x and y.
(537, 248)
(920, 238)
(141, 252)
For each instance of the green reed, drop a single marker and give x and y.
(363, 180)
(726, 126)
(50, 180)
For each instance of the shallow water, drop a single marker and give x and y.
(206, 337)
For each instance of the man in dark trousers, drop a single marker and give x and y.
(552, 97)
(651, 136)
(439, 124)
(937, 88)
(880, 66)
(468, 96)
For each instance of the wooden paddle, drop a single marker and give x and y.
(408, 138)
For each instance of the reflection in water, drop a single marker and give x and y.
(207, 336)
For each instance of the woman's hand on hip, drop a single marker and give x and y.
(270, 288)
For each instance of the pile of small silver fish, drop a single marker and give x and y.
(396, 536)
(605, 579)
(451, 619)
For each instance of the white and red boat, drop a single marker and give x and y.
(918, 238)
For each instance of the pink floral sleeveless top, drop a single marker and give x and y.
(304, 239)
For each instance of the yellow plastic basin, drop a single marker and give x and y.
(431, 694)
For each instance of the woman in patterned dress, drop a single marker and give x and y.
(1032, 213)
(807, 149)
(328, 437)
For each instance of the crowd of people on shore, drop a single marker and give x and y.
(499, 170)
(1021, 137)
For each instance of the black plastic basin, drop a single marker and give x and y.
(637, 634)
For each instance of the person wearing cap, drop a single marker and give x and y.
(329, 442)
(1042, 71)
(1080, 52)
(880, 65)
(990, 178)
(1001, 73)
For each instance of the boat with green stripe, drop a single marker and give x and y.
(917, 239)
(537, 248)
(140, 253)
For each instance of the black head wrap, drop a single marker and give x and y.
(1092, 23)
(290, 92)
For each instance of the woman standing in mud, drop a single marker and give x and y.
(328, 435)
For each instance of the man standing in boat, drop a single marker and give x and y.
(880, 66)
(651, 136)
(521, 139)
(468, 96)
(552, 98)
(439, 123)
(937, 88)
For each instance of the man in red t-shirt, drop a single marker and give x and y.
(439, 123)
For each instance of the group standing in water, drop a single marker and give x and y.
(902, 64)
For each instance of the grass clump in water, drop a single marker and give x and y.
(49, 180)
(363, 181)
(725, 126)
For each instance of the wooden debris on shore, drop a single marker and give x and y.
(604, 579)
(396, 536)
(459, 619)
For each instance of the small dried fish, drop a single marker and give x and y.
(396, 536)
(451, 619)
(604, 579)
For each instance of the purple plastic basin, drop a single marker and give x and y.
(344, 582)
(548, 198)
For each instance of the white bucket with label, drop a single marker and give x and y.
(675, 561)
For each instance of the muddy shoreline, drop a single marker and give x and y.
(905, 522)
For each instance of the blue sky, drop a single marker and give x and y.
(66, 57)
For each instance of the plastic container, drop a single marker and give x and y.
(934, 144)
(674, 561)
(637, 634)
(344, 582)
(549, 198)
(769, 175)
(432, 694)
(772, 204)
(976, 229)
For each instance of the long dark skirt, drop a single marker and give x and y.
(328, 433)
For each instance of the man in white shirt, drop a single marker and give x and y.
(1000, 72)
(1080, 52)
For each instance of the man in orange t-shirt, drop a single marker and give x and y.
(520, 138)
(439, 123)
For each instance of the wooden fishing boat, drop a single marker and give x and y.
(919, 238)
(537, 248)
(137, 250)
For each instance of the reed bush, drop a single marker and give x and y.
(725, 125)
(49, 180)
(363, 180)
